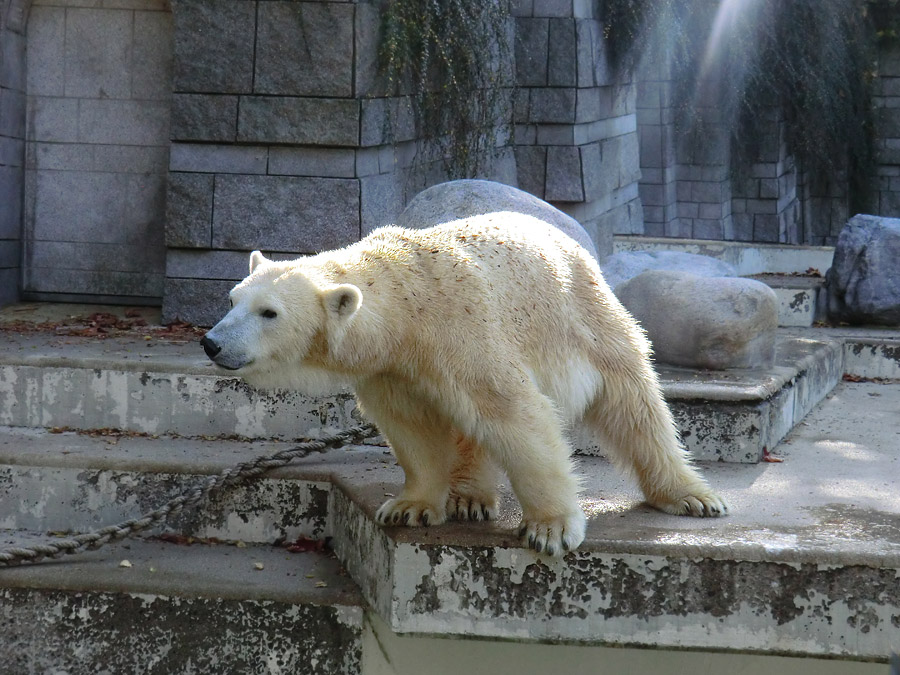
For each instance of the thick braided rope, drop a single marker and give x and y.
(236, 475)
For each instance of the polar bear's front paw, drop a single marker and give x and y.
(472, 507)
(409, 512)
(702, 504)
(554, 536)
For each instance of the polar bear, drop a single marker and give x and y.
(472, 346)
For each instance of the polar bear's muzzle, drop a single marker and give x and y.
(221, 357)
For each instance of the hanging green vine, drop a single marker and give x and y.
(453, 57)
(813, 59)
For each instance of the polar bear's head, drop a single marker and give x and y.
(282, 321)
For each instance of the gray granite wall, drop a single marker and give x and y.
(97, 144)
(13, 14)
(576, 140)
(658, 152)
(766, 205)
(887, 131)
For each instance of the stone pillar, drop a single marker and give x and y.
(887, 132)
(283, 139)
(703, 178)
(97, 149)
(765, 202)
(13, 15)
(658, 158)
(576, 140)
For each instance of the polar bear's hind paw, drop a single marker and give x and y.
(707, 505)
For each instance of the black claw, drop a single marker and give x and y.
(551, 549)
(565, 545)
(406, 518)
(425, 519)
(531, 541)
(396, 518)
(523, 530)
(484, 512)
(538, 546)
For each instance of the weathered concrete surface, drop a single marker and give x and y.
(734, 416)
(158, 391)
(872, 357)
(801, 299)
(180, 610)
(808, 563)
(747, 258)
(386, 653)
(78, 482)
(159, 387)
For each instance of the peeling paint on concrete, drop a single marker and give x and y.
(89, 633)
(872, 358)
(61, 499)
(163, 403)
(626, 599)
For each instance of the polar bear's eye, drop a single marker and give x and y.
(269, 313)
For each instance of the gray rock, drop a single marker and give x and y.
(704, 322)
(463, 198)
(620, 267)
(864, 280)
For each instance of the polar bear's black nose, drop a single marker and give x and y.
(210, 347)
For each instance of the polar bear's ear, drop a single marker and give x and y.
(256, 259)
(343, 300)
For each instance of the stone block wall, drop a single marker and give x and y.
(658, 153)
(96, 157)
(576, 141)
(283, 139)
(887, 132)
(12, 144)
(765, 202)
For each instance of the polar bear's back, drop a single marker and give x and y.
(503, 280)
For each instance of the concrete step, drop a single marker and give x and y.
(806, 564)
(736, 415)
(171, 389)
(786, 268)
(748, 258)
(178, 609)
(801, 299)
(77, 482)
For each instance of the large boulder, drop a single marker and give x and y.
(704, 322)
(620, 267)
(864, 280)
(464, 198)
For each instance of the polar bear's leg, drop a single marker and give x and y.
(473, 483)
(528, 443)
(633, 416)
(424, 444)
